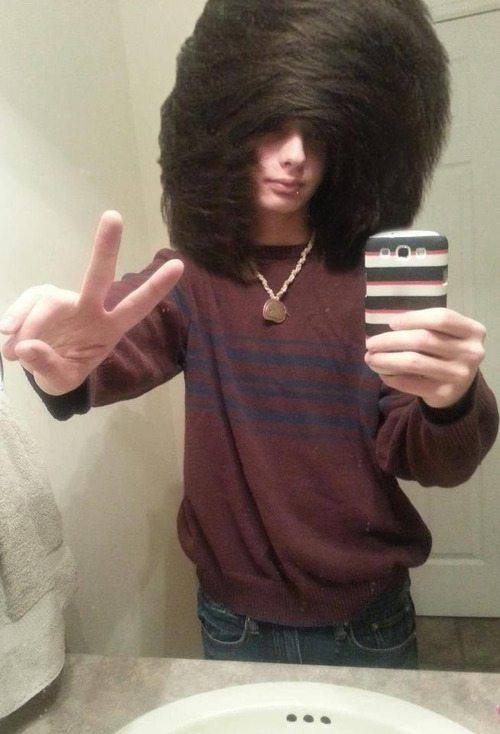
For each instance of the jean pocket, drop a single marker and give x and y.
(391, 632)
(221, 625)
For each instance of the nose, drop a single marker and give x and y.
(292, 152)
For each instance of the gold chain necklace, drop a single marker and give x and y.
(274, 309)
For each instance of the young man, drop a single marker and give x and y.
(295, 130)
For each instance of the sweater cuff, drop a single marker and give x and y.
(453, 413)
(64, 406)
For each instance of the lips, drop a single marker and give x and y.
(285, 185)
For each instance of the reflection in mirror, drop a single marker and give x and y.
(290, 512)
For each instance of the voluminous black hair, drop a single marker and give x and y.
(370, 75)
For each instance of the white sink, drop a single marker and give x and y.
(292, 708)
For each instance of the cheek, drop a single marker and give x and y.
(318, 168)
(267, 155)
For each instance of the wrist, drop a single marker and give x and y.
(443, 415)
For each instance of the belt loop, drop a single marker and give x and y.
(252, 626)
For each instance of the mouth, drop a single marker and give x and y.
(286, 186)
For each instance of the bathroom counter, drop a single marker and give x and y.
(99, 695)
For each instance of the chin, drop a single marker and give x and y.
(279, 206)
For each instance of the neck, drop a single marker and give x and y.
(282, 230)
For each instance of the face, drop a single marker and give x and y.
(289, 167)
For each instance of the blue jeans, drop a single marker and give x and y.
(383, 636)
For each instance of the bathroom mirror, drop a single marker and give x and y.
(81, 84)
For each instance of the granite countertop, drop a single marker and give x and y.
(99, 695)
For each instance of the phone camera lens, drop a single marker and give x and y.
(403, 251)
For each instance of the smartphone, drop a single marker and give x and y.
(405, 270)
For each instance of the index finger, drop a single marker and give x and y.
(100, 272)
(138, 304)
(444, 320)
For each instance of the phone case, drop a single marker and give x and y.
(405, 270)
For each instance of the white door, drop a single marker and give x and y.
(462, 578)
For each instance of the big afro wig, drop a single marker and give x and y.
(369, 75)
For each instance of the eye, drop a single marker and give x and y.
(270, 128)
(316, 145)
(313, 136)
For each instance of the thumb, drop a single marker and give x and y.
(45, 365)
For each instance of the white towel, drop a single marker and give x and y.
(37, 574)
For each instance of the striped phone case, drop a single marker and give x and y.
(405, 270)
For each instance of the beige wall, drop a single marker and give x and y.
(79, 119)
(154, 31)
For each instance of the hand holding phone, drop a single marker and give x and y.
(416, 344)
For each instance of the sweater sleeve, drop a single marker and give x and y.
(436, 447)
(148, 355)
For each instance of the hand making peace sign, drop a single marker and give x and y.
(60, 336)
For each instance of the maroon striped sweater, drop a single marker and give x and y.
(292, 511)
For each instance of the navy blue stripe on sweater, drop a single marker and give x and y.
(211, 329)
(307, 388)
(273, 353)
(306, 433)
(331, 407)
(300, 389)
(268, 415)
(178, 297)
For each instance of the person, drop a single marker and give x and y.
(294, 131)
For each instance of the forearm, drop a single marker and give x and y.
(433, 447)
(146, 357)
